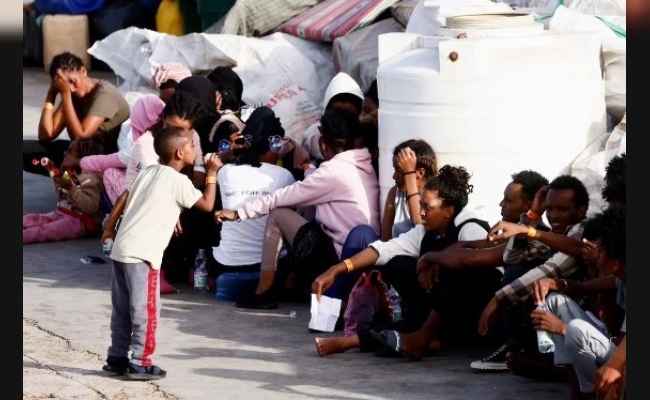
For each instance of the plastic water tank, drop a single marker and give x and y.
(494, 100)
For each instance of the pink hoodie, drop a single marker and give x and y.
(344, 190)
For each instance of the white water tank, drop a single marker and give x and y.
(497, 101)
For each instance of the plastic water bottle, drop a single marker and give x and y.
(201, 272)
(544, 342)
(107, 246)
(395, 301)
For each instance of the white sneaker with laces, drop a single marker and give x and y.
(496, 361)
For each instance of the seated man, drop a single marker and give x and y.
(566, 204)
(580, 338)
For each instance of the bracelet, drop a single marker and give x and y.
(348, 265)
(532, 232)
(533, 215)
(565, 284)
(408, 172)
(408, 196)
(210, 179)
(237, 218)
(48, 106)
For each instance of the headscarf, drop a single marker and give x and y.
(169, 71)
(201, 88)
(144, 113)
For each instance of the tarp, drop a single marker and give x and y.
(288, 73)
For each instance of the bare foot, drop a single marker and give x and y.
(338, 344)
(529, 367)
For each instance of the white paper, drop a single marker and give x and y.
(324, 313)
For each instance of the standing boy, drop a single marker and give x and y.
(150, 209)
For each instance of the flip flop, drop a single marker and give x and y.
(394, 342)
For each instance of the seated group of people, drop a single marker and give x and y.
(306, 217)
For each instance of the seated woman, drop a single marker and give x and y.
(454, 300)
(345, 192)
(78, 213)
(414, 162)
(145, 113)
(252, 174)
(89, 108)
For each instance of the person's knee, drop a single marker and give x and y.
(555, 302)
(576, 336)
(360, 237)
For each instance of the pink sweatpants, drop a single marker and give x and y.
(51, 227)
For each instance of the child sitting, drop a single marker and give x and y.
(77, 212)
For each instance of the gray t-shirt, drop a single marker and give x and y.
(108, 102)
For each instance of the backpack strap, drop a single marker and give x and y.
(483, 223)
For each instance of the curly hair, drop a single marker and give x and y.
(580, 194)
(615, 181)
(452, 185)
(609, 226)
(425, 155)
(530, 182)
(65, 61)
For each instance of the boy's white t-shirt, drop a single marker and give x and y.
(155, 201)
(143, 155)
(241, 242)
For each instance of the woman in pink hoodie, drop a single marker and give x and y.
(145, 112)
(344, 190)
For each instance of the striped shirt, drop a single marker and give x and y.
(559, 265)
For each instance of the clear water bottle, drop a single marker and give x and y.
(107, 247)
(201, 272)
(544, 342)
(395, 301)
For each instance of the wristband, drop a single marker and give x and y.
(210, 179)
(348, 265)
(237, 218)
(408, 172)
(532, 215)
(408, 196)
(532, 232)
(48, 106)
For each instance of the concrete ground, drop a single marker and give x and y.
(211, 349)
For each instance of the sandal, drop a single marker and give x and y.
(138, 373)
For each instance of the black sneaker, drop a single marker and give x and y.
(139, 373)
(116, 365)
(494, 362)
(264, 301)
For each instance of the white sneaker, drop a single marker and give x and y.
(494, 362)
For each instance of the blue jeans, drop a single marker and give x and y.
(358, 239)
